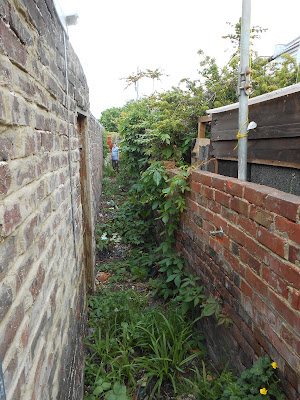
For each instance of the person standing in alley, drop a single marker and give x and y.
(115, 157)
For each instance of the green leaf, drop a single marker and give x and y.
(177, 281)
(106, 385)
(155, 204)
(98, 390)
(157, 177)
(208, 310)
(165, 218)
(184, 307)
(171, 277)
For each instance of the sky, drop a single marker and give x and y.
(113, 38)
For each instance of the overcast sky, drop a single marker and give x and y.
(115, 37)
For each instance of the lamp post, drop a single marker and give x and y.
(244, 79)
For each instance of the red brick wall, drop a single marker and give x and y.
(254, 268)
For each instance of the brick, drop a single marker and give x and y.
(205, 214)
(294, 254)
(4, 10)
(12, 45)
(11, 328)
(250, 261)
(282, 348)
(231, 216)
(265, 310)
(7, 144)
(234, 187)
(256, 283)
(220, 222)
(207, 226)
(246, 289)
(191, 205)
(31, 230)
(219, 182)
(240, 206)
(197, 219)
(20, 111)
(38, 335)
(195, 186)
(275, 282)
(224, 241)
(6, 299)
(295, 299)
(5, 178)
(43, 165)
(25, 173)
(12, 218)
(222, 198)
(47, 141)
(255, 194)
(23, 271)
(253, 343)
(291, 229)
(290, 339)
(248, 306)
(214, 206)
(205, 178)
(293, 382)
(201, 236)
(233, 261)
(30, 145)
(237, 235)
(260, 320)
(235, 248)
(248, 225)
(35, 16)
(9, 252)
(55, 162)
(37, 283)
(207, 192)
(261, 216)
(287, 271)
(283, 204)
(270, 240)
(285, 312)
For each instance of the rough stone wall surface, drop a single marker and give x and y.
(42, 290)
(254, 268)
(96, 148)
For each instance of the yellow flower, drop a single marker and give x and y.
(263, 391)
(274, 365)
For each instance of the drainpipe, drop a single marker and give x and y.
(70, 154)
(2, 386)
(244, 78)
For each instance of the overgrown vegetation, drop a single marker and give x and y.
(163, 125)
(137, 345)
(140, 347)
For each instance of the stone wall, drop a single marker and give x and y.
(42, 282)
(254, 268)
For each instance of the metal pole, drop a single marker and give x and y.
(137, 85)
(243, 98)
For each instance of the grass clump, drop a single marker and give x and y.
(131, 344)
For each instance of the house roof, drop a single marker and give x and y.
(258, 99)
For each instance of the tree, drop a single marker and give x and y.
(109, 119)
(154, 74)
(163, 125)
(235, 37)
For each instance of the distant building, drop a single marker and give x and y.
(292, 48)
